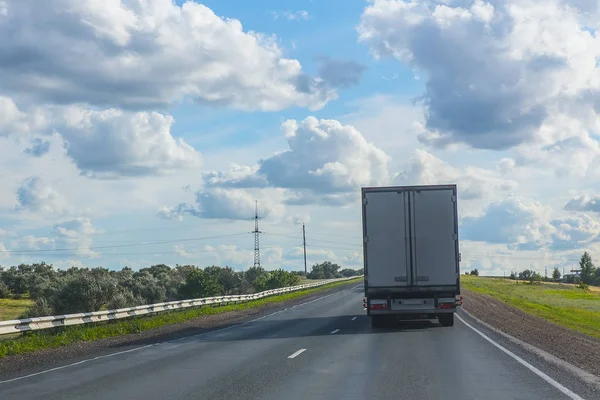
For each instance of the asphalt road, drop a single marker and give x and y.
(325, 349)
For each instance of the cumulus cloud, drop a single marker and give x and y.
(495, 71)
(325, 162)
(572, 156)
(145, 54)
(13, 120)
(112, 143)
(109, 143)
(584, 202)
(38, 148)
(38, 196)
(231, 204)
(74, 237)
(526, 224)
(473, 183)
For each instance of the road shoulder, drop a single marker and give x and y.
(566, 355)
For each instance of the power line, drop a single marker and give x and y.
(125, 245)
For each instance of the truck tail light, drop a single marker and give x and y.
(380, 306)
(459, 301)
(447, 305)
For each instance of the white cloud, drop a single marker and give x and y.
(495, 71)
(299, 219)
(474, 184)
(3, 251)
(292, 15)
(146, 54)
(37, 196)
(113, 143)
(108, 143)
(180, 250)
(73, 237)
(232, 255)
(232, 204)
(326, 163)
(584, 202)
(16, 121)
(527, 224)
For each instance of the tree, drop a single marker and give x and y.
(325, 270)
(588, 270)
(254, 273)
(475, 272)
(348, 272)
(556, 274)
(525, 275)
(200, 284)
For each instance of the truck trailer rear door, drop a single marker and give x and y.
(434, 230)
(385, 216)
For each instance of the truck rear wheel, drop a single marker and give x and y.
(446, 319)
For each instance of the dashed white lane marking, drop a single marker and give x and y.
(354, 318)
(296, 354)
(336, 331)
(564, 390)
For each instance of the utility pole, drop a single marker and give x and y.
(304, 245)
(256, 238)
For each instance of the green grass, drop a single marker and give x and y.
(50, 338)
(564, 305)
(11, 309)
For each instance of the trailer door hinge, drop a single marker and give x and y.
(366, 239)
(453, 198)
(455, 236)
(365, 201)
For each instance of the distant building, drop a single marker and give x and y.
(571, 278)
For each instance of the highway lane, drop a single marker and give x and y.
(321, 350)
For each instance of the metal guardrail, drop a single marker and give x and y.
(32, 324)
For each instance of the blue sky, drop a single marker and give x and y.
(148, 132)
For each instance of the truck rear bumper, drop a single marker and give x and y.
(407, 307)
(416, 311)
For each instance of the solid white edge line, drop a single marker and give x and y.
(166, 341)
(297, 353)
(585, 376)
(563, 389)
(77, 363)
(336, 331)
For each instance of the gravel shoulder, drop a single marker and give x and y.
(18, 365)
(573, 347)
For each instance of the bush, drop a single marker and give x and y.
(84, 292)
(40, 308)
(77, 289)
(125, 298)
(4, 291)
(583, 286)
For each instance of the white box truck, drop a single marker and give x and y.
(411, 253)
